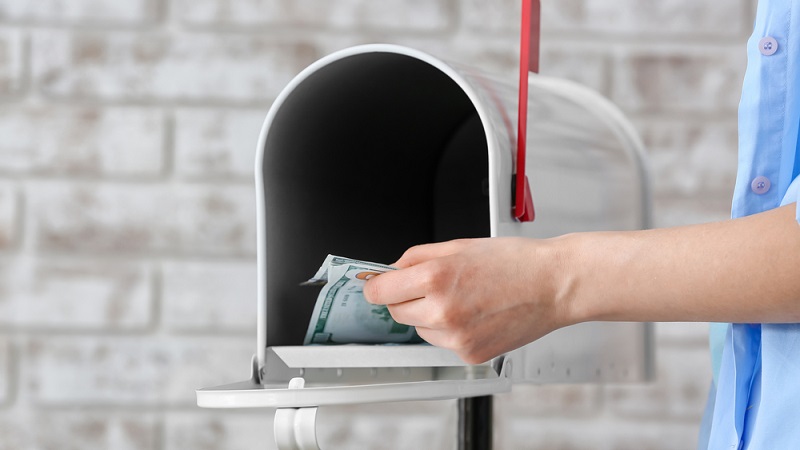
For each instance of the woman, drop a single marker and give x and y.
(484, 297)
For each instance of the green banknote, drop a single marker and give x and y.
(321, 277)
(343, 316)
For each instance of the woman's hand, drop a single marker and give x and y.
(477, 297)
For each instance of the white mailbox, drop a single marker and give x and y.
(377, 148)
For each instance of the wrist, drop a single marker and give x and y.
(571, 274)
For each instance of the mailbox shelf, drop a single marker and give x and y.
(251, 394)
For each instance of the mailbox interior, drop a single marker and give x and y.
(367, 156)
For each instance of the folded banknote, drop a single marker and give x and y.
(343, 316)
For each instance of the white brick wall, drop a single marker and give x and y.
(208, 297)
(72, 294)
(143, 218)
(405, 15)
(8, 215)
(214, 143)
(93, 141)
(236, 430)
(160, 66)
(74, 429)
(129, 371)
(11, 62)
(678, 78)
(80, 12)
(6, 364)
(127, 212)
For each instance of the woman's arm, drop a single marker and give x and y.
(483, 297)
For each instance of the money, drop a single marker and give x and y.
(321, 277)
(343, 316)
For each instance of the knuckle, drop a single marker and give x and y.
(462, 341)
(439, 318)
(471, 353)
(434, 276)
(411, 253)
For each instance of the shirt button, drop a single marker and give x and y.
(767, 46)
(760, 185)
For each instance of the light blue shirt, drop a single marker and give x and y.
(754, 401)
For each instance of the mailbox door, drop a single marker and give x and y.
(371, 374)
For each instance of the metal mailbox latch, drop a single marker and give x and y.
(296, 428)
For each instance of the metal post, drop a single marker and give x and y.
(475, 423)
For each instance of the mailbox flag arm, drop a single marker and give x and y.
(528, 62)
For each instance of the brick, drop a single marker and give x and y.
(51, 140)
(693, 168)
(77, 430)
(152, 66)
(80, 11)
(632, 17)
(498, 57)
(502, 15)
(369, 426)
(596, 434)
(570, 400)
(9, 211)
(11, 62)
(706, 80)
(217, 143)
(586, 66)
(120, 218)
(687, 210)
(411, 15)
(207, 297)
(72, 294)
(682, 333)
(691, 157)
(220, 429)
(16, 428)
(7, 371)
(627, 17)
(130, 370)
(680, 390)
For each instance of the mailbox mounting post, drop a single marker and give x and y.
(296, 428)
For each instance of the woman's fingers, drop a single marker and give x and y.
(395, 286)
(476, 297)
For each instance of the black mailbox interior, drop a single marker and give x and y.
(369, 155)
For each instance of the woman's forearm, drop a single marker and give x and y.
(742, 270)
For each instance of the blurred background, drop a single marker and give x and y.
(127, 213)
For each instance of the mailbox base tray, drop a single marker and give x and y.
(249, 394)
(276, 394)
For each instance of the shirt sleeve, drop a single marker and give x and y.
(793, 196)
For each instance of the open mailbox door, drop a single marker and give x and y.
(377, 148)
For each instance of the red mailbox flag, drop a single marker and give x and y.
(528, 62)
